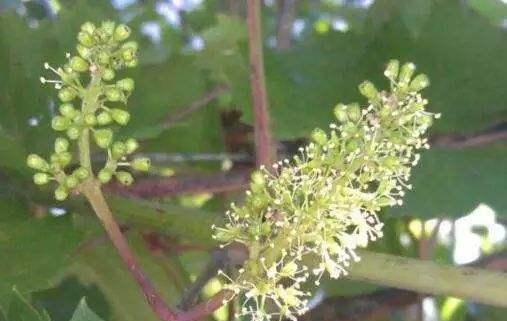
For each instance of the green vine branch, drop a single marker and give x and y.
(474, 284)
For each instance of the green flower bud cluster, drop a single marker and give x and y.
(54, 169)
(323, 203)
(89, 110)
(117, 153)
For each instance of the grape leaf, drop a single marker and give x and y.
(20, 309)
(452, 183)
(33, 249)
(83, 313)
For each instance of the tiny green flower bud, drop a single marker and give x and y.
(78, 118)
(406, 72)
(85, 39)
(392, 69)
(73, 132)
(104, 118)
(108, 27)
(118, 150)
(113, 94)
(125, 178)
(116, 62)
(126, 84)
(128, 54)
(340, 112)
(84, 52)
(386, 201)
(36, 162)
(130, 45)
(41, 178)
(60, 123)
(350, 129)
(390, 161)
(368, 90)
(319, 136)
(101, 36)
(131, 145)
(419, 82)
(226, 235)
(64, 158)
(61, 193)
(78, 64)
(69, 75)
(66, 94)
(425, 120)
(132, 63)
(81, 173)
(103, 58)
(88, 27)
(352, 145)
(90, 119)
(108, 74)
(105, 175)
(67, 110)
(61, 145)
(289, 269)
(103, 137)
(354, 112)
(71, 182)
(54, 161)
(120, 116)
(121, 33)
(141, 164)
(258, 178)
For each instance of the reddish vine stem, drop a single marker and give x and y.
(205, 308)
(262, 134)
(92, 191)
(172, 186)
(94, 195)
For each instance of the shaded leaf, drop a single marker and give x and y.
(61, 300)
(20, 309)
(102, 266)
(36, 249)
(454, 182)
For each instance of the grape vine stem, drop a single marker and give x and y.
(91, 189)
(262, 134)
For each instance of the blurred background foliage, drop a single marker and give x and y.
(192, 111)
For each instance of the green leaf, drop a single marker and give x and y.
(495, 10)
(225, 59)
(102, 266)
(20, 309)
(20, 62)
(83, 313)
(415, 13)
(306, 82)
(3, 317)
(454, 182)
(35, 249)
(221, 53)
(60, 301)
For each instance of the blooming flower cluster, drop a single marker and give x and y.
(102, 52)
(321, 205)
